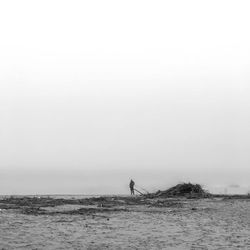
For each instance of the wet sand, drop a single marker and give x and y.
(125, 223)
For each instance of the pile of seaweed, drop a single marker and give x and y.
(188, 190)
(86, 206)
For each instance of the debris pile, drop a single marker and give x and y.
(188, 190)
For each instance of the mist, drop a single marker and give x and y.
(93, 94)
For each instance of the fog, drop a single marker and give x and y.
(93, 94)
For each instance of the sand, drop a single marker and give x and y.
(124, 223)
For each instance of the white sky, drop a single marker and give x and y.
(95, 92)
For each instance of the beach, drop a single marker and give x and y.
(124, 223)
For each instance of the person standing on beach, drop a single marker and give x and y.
(131, 186)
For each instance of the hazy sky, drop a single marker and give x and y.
(93, 93)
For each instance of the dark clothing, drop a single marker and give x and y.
(131, 186)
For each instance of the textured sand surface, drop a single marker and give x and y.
(196, 224)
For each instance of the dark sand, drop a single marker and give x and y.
(125, 223)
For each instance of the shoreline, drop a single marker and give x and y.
(102, 204)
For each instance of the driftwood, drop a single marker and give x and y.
(188, 190)
(138, 191)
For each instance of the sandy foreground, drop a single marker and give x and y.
(124, 223)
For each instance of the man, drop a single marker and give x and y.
(131, 186)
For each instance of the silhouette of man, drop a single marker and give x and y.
(131, 186)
